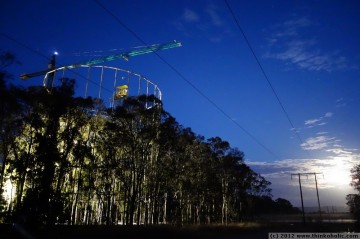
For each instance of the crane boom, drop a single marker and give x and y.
(125, 55)
(51, 67)
(31, 75)
(138, 51)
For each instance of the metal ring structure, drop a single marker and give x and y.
(104, 82)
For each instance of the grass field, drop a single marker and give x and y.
(233, 231)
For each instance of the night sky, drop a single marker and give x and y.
(279, 80)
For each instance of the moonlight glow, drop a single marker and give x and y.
(339, 173)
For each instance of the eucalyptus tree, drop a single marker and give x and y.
(131, 134)
(164, 178)
(10, 118)
(52, 124)
(193, 180)
(233, 167)
(8, 106)
(73, 148)
(353, 200)
(20, 167)
(83, 186)
(179, 174)
(157, 189)
(75, 161)
(254, 186)
(219, 150)
(207, 182)
(186, 183)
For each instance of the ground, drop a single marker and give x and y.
(234, 231)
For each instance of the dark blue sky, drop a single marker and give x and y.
(309, 51)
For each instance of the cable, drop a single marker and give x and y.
(263, 71)
(25, 46)
(185, 79)
(46, 57)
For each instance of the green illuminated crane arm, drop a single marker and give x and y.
(125, 55)
(135, 52)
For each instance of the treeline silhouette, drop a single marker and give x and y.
(71, 160)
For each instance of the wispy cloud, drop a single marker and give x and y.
(190, 16)
(328, 114)
(333, 177)
(318, 121)
(323, 141)
(334, 166)
(287, 44)
(340, 103)
(318, 142)
(211, 10)
(206, 21)
(338, 150)
(312, 121)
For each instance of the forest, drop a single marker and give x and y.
(71, 160)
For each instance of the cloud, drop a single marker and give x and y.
(311, 121)
(333, 169)
(332, 166)
(215, 17)
(341, 151)
(328, 114)
(190, 16)
(327, 144)
(204, 23)
(289, 28)
(333, 178)
(285, 43)
(296, 23)
(318, 142)
(340, 103)
(318, 121)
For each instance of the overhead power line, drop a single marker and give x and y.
(299, 175)
(263, 71)
(185, 79)
(25, 46)
(46, 57)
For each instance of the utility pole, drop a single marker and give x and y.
(49, 83)
(317, 192)
(301, 195)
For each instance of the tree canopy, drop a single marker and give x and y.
(71, 160)
(353, 200)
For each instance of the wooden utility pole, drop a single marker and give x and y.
(317, 192)
(301, 195)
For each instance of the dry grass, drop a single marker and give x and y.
(241, 230)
